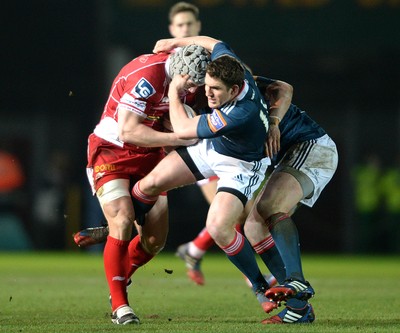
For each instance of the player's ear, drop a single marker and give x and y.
(235, 90)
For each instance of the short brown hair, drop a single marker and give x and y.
(228, 70)
(182, 6)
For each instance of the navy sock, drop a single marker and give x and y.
(242, 256)
(272, 259)
(141, 209)
(142, 203)
(286, 237)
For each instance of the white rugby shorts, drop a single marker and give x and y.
(318, 159)
(243, 176)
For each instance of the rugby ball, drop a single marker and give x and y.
(167, 122)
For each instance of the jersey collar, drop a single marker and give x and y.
(243, 91)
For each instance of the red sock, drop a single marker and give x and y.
(137, 255)
(203, 240)
(235, 246)
(115, 263)
(264, 245)
(239, 228)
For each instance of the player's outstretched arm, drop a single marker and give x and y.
(165, 45)
(133, 131)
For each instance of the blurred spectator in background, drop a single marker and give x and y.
(13, 234)
(390, 186)
(11, 174)
(49, 207)
(368, 196)
(184, 20)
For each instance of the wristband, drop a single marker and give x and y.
(277, 118)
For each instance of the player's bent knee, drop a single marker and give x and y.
(274, 219)
(152, 245)
(151, 184)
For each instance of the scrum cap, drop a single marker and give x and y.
(192, 60)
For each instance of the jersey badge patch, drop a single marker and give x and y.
(143, 89)
(216, 121)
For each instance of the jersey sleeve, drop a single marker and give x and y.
(141, 87)
(132, 104)
(221, 49)
(263, 82)
(218, 123)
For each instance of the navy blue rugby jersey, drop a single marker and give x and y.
(239, 128)
(296, 126)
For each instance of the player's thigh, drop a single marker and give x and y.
(281, 193)
(171, 172)
(115, 200)
(209, 189)
(246, 212)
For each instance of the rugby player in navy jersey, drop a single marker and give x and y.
(307, 159)
(306, 162)
(231, 146)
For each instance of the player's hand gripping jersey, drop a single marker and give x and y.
(296, 126)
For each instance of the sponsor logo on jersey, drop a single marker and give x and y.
(127, 99)
(104, 167)
(143, 89)
(133, 102)
(216, 121)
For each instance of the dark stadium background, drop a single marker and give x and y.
(58, 60)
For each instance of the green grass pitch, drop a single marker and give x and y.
(67, 292)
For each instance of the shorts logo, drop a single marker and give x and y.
(105, 167)
(239, 178)
(143, 89)
(216, 121)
